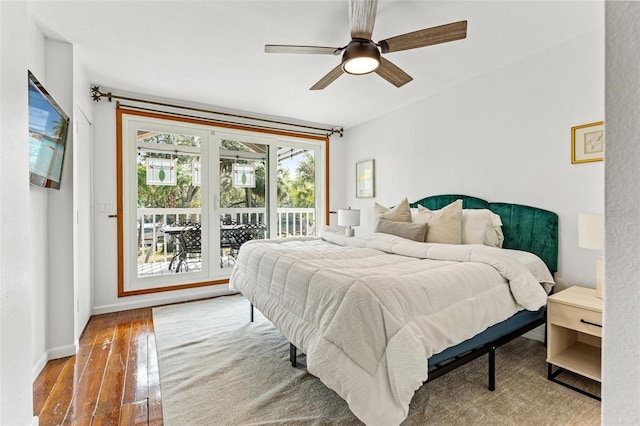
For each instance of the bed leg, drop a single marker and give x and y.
(293, 354)
(251, 311)
(492, 368)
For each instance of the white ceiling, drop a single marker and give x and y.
(212, 52)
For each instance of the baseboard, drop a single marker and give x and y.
(42, 361)
(55, 353)
(35, 421)
(62, 351)
(161, 300)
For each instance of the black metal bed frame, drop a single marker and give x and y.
(451, 364)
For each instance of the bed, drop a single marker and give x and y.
(379, 315)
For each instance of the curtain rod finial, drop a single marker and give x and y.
(96, 94)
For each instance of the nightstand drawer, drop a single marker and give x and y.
(579, 319)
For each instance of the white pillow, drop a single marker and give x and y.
(414, 213)
(445, 225)
(399, 213)
(481, 226)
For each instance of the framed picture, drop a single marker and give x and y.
(587, 143)
(365, 179)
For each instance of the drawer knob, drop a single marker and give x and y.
(590, 323)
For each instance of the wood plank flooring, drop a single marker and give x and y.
(112, 380)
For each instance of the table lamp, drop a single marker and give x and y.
(348, 218)
(591, 236)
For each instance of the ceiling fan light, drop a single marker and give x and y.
(360, 57)
(362, 65)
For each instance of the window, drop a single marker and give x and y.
(192, 192)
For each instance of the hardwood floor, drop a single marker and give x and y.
(112, 380)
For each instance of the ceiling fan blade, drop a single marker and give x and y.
(392, 73)
(362, 17)
(288, 48)
(426, 37)
(328, 79)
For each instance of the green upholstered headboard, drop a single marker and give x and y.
(525, 228)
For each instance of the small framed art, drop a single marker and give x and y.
(587, 143)
(365, 179)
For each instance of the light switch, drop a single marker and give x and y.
(105, 207)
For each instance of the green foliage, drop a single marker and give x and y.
(183, 194)
(304, 185)
(60, 129)
(297, 191)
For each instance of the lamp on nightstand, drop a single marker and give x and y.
(591, 236)
(348, 218)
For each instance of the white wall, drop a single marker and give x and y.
(16, 398)
(504, 136)
(60, 216)
(50, 216)
(621, 339)
(38, 222)
(82, 195)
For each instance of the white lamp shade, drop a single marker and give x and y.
(591, 231)
(348, 217)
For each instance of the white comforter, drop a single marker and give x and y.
(369, 311)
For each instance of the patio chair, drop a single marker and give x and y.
(243, 233)
(190, 241)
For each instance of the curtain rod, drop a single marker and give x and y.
(97, 95)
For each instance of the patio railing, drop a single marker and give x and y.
(154, 247)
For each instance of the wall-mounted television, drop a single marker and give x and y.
(48, 126)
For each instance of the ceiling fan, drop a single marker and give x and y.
(362, 55)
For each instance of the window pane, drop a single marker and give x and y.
(243, 196)
(296, 192)
(168, 203)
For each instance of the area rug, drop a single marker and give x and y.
(218, 368)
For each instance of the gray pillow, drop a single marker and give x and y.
(408, 230)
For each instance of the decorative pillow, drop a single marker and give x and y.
(410, 231)
(445, 225)
(399, 213)
(481, 226)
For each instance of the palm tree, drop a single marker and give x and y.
(60, 130)
(305, 182)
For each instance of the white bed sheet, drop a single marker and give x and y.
(369, 311)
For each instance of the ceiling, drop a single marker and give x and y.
(212, 52)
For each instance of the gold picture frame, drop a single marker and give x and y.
(587, 143)
(365, 179)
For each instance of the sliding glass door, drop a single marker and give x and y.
(193, 193)
(166, 228)
(244, 195)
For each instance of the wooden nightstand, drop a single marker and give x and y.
(574, 334)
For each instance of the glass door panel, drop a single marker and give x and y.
(297, 193)
(169, 200)
(166, 236)
(243, 195)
